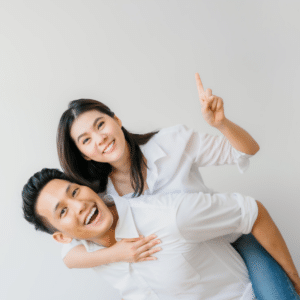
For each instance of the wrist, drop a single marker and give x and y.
(222, 125)
(117, 255)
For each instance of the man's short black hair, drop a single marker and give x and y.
(30, 194)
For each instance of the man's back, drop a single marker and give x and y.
(196, 262)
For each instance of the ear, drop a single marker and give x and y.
(61, 238)
(118, 120)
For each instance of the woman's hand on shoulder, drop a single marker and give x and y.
(212, 107)
(137, 249)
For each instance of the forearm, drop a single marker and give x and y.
(78, 257)
(239, 138)
(127, 250)
(268, 235)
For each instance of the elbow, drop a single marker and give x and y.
(254, 149)
(67, 263)
(251, 150)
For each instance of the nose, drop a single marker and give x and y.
(78, 206)
(99, 138)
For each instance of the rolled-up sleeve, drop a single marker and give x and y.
(204, 216)
(68, 247)
(209, 150)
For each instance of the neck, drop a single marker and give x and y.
(109, 238)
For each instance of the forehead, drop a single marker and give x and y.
(86, 119)
(53, 192)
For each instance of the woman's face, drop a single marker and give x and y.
(99, 137)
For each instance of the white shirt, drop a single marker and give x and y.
(196, 261)
(174, 156)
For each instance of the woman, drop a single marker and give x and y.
(97, 151)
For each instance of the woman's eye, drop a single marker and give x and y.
(100, 124)
(63, 211)
(85, 140)
(74, 192)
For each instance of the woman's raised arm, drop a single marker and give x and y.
(212, 109)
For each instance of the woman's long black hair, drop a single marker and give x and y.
(91, 173)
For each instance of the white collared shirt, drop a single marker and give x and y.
(174, 156)
(196, 261)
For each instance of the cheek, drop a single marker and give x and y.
(114, 130)
(121, 138)
(108, 218)
(89, 151)
(78, 231)
(70, 225)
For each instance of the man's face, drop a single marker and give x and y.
(75, 210)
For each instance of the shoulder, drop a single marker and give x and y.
(170, 200)
(179, 131)
(176, 129)
(169, 143)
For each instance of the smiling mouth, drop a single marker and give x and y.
(93, 217)
(109, 147)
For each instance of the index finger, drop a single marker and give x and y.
(199, 84)
(145, 240)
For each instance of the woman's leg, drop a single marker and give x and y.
(268, 279)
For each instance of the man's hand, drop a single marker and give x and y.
(211, 106)
(137, 249)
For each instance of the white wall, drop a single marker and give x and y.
(139, 57)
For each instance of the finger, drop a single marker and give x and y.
(147, 246)
(132, 240)
(147, 258)
(214, 104)
(199, 84)
(145, 240)
(150, 252)
(210, 100)
(205, 107)
(220, 103)
(203, 101)
(208, 93)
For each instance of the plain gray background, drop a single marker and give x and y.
(139, 57)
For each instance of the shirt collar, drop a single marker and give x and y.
(126, 227)
(153, 152)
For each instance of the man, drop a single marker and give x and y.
(186, 224)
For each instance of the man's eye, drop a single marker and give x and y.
(74, 192)
(63, 211)
(85, 141)
(100, 124)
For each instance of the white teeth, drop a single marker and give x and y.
(107, 149)
(90, 215)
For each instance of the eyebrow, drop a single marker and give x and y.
(67, 190)
(94, 124)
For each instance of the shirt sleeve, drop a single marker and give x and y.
(204, 216)
(209, 150)
(67, 247)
